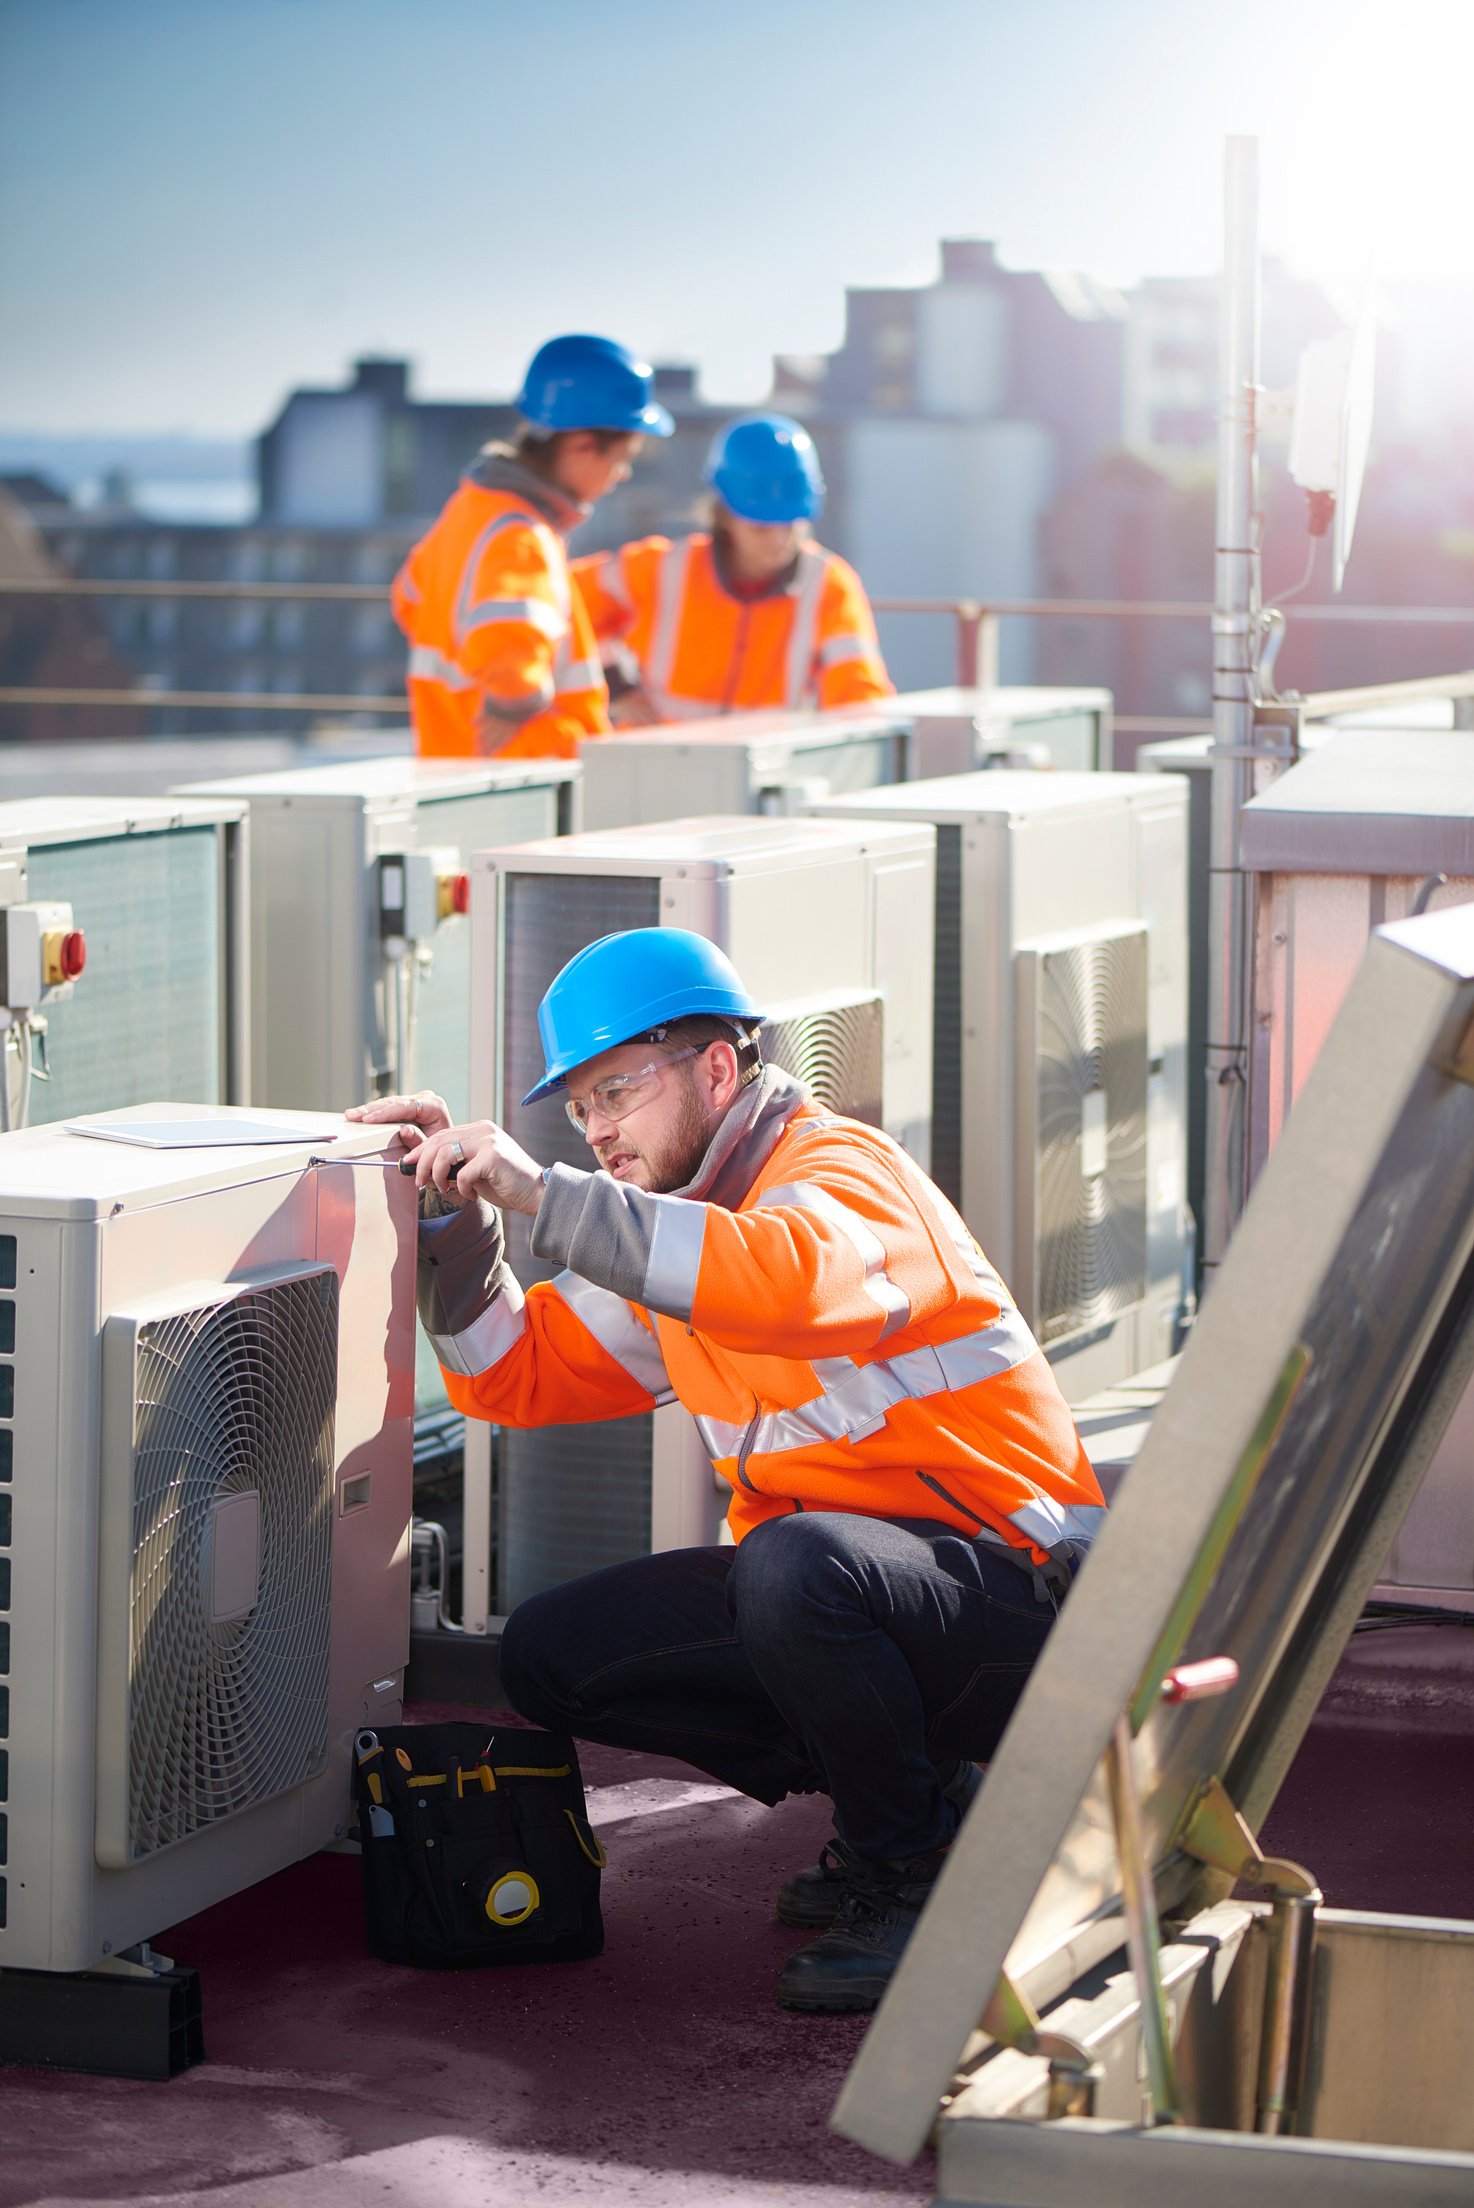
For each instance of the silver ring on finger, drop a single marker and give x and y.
(458, 1153)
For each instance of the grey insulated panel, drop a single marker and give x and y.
(443, 997)
(570, 1498)
(946, 1119)
(146, 1018)
(229, 1524)
(1087, 1004)
(837, 1051)
(443, 1010)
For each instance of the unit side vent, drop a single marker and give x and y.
(1083, 1129)
(216, 1560)
(946, 1107)
(569, 1498)
(835, 1045)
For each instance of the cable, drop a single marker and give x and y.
(23, 1116)
(5, 1082)
(1296, 588)
(1381, 1617)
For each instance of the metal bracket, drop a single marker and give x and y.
(1213, 1832)
(1074, 2074)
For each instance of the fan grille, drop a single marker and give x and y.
(837, 1051)
(1091, 1066)
(229, 1399)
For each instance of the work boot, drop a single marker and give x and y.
(847, 1969)
(810, 1900)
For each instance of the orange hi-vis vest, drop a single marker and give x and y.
(495, 626)
(813, 1299)
(809, 641)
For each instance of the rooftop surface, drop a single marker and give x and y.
(660, 2075)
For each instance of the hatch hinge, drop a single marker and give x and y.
(1213, 1832)
(1074, 2074)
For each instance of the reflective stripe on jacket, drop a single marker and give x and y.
(813, 1299)
(810, 641)
(494, 626)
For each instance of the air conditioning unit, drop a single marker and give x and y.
(1005, 725)
(741, 763)
(205, 1396)
(1191, 758)
(829, 925)
(360, 952)
(1059, 1090)
(360, 961)
(158, 890)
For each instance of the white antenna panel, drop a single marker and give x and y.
(1332, 425)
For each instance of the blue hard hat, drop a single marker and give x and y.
(623, 986)
(591, 383)
(765, 468)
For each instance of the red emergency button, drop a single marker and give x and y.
(452, 894)
(63, 955)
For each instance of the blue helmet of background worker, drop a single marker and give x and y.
(764, 468)
(591, 383)
(618, 989)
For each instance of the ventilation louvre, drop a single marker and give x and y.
(569, 1498)
(835, 1045)
(1083, 1129)
(200, 1720)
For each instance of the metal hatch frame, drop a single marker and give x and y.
(1308, 1403)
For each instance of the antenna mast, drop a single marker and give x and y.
(1236, 618)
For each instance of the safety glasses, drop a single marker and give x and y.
(623, 1093)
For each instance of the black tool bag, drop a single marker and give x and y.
(476, 1847)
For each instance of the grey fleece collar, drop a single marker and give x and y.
(746, 1139)
(497, 468)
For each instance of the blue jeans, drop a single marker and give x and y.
(827, 1652)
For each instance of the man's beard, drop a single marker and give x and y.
(671, 1163)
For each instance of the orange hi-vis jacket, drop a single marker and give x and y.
(812, 1298)
(494, 624)
(810, 640)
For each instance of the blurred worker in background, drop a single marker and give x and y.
(751, 613)
(502, 659)
(910, 1497)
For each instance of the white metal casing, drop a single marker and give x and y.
(804, 909)
(321, 1021)
(767, 762)
(1022, 860)
(99, 1229)
(159, 887)
(1002, 725)
(1375, 825)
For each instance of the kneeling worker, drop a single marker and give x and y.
(502, 660)
(750, 613)
(910, 1496)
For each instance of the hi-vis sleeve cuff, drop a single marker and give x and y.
(469, 1302)
(646, 1248)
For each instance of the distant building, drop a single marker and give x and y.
(50, 643)
(284, 646)
(947, 421)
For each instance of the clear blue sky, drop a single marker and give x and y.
(203, 202)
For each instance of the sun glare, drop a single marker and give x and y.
(1366, 169)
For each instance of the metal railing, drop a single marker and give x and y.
(976, 640)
